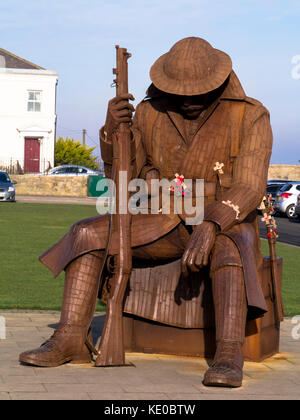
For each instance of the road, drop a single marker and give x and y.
(289, 231)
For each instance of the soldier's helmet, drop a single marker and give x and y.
(191, 67)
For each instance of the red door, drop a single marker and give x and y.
(32, 155)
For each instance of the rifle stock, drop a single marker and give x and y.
(111, 351)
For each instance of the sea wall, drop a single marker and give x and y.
(64, 186)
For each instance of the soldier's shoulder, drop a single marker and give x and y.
(151, 104)
(255, 103)
(150, 100)
(252, 101)
(245, 99)
(255, 107)
(142, 106)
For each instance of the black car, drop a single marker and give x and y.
(7, 189)
(272, 189)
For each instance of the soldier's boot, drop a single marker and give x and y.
(230, 314)
(68, 343)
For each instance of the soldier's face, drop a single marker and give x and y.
(191, 106)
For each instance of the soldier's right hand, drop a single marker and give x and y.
(119, 111)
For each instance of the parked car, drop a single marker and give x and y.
(297, 208)
(272, 188)
(286, 199)
(7, 189)
(278, 181)
(72, 170)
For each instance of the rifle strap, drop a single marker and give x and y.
(237, 119)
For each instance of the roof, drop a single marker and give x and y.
(293, 182)
(11, 61)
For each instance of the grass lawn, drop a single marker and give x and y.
(27, 230)
(291, 276)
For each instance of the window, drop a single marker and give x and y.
(34, 101)
(273, 189)
(60, 171)
(70, 170)
(4, 177)
(2, 62)
(298, 187)
(286, 187)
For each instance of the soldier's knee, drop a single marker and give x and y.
(79, 228)
(90, 227)
(225, 254)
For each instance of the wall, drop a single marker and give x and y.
(63, 186)
(16, 122)
(291, 172)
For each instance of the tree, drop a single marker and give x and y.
(71, 152)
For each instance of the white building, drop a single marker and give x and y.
(27, 114)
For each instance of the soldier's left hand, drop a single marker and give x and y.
(199, 247)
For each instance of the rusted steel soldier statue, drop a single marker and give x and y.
(197, 121)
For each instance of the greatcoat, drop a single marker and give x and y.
(235, 130)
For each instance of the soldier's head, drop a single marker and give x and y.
(193, 72)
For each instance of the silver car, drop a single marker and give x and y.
(297, 208)
(7, 189)
(286, 199)
(69, 170)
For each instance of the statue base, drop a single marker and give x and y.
(149, 336)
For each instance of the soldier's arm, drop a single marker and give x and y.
(250, 173)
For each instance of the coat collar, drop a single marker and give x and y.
(179, 123)
(178, 120)
(234, 90)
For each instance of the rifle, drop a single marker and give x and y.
(111, 349)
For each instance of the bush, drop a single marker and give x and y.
(71, 152)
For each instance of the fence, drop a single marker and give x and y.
(18, 166)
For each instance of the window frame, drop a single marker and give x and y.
(34, 101)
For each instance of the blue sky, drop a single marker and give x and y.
(77, 38)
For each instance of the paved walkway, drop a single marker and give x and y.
(152, 377)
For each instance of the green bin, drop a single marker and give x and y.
(97, 186)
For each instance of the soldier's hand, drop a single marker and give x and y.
(199, 247)
(119, 111)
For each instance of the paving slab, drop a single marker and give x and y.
(4, 396)
(149, 377)
(128, 396)
(49, 396)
